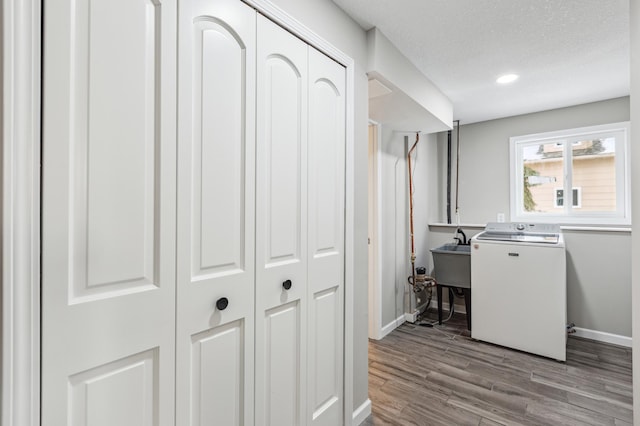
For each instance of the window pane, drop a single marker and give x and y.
(594, 171)
(559, 194)
(576, 197)
(543, 166)
(559, 197)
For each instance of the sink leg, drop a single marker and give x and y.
(439, 291)
(467, 305)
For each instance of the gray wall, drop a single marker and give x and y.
(393, 241)
(598, 263)
(635, 194)
(331, 23)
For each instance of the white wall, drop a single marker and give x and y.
(415, 103)
(598, 263)
(331, 23)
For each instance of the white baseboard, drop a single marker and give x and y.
(391, 326)
(601, 336)
(361, 413)
(598, 336)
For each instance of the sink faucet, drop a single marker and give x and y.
(462, 241)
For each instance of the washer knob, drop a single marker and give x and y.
(520, 227)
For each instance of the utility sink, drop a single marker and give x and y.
(452, 265)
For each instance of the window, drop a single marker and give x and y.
(589, 163)
(559, 198)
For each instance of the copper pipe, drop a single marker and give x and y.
(413, 250)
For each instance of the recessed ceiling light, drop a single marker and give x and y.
(507, 78)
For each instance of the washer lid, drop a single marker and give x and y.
(521, 232)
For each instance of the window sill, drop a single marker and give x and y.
(454, 225)
(571, 228)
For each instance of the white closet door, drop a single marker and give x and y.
(281, 227)
(216, 213)
(108, 212)
(326, 170)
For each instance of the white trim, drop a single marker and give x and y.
(455, 225)
(21, 212)
(291, 24)
(562, 227)
(362, 412)
(391, 326)
(281, 17)
(375, 281)
(601, 336)
(350, 218)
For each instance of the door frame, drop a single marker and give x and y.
(375, 231)
(21, 46)
(21, 190)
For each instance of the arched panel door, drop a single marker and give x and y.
(281, 227)
(326, 198)
(216, 214)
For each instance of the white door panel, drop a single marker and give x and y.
(326, 165)
(108, 212)
(282, 387)
(118, 393)
(217, 376)
(216, 213)
(281, 227)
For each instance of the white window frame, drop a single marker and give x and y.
(570, 214)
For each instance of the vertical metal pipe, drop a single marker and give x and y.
(457, 165)
(413, 248)
(449, 176)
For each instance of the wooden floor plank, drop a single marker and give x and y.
(438, 375)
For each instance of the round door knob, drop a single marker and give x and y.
(287, 284)
(222, 303)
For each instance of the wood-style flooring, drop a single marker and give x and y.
(440, 376)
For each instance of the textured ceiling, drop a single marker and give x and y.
(567, 52)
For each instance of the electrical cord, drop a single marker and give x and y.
(451, 312)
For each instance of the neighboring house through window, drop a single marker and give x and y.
(559, 198)
(590, 163)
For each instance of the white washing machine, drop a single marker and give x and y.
(519, 288)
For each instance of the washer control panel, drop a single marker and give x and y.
(521, 231)
(537, 228)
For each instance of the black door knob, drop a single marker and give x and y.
(287, 284)
(222, 303)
